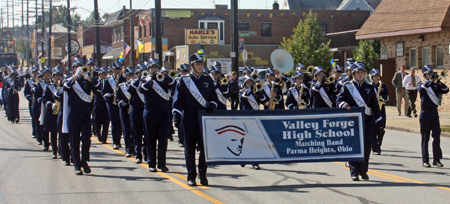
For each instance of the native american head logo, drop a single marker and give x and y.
(236, 135)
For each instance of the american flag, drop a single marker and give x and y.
(126, 50)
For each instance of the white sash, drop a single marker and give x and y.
(65, 127)
(141, 95)
(222, 98)
(112, 83)
(432, 95)
(358, 98)
(80, 92)
(52, 88)
(295, 94)
(267, 89)
(124, 91)
(325, 97)
(194, 91)
(42, 117)
(252, 101)
(160, 91)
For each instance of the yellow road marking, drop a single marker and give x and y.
(166, 175)
(398, 178)
(184, 178)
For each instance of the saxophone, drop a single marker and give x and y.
(301, 103)
(115, 90)
(57, 103)
(272, 101)
(380, 99)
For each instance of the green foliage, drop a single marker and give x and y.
(307, 45)
(367, 52)
(59, 16)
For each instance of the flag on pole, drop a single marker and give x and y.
(126, 50)
(140, 47)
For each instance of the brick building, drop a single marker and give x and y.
(262, 30)
(119, 22)
(57, 40)
(415, 35)
(86, 38)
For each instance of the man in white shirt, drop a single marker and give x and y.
(410, 83)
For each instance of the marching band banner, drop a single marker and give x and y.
(279, 136)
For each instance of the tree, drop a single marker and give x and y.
(307, 44)
(90, 20)
(59, 16)
(367, 52)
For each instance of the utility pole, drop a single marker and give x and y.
(42, 31)
(158, 31)
(49, 63)
(97, 35)
(22, 33)
(28, 36)
(13, 31)
(235, 36)
(69, 47)
(131, 35)
(36, 35)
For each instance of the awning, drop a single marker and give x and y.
(113, 54)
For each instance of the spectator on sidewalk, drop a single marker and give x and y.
(410, 83)
(234, 90)
(400, 89)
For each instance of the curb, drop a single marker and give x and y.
(445, 134)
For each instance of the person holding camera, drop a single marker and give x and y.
(429, 90)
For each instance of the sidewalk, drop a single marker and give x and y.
(403, 123)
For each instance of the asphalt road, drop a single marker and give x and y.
(29, 175)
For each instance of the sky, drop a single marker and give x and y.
(85, 7)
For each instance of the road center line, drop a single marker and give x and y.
(166, 175)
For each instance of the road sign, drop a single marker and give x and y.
(241, 44)
(74, 46)
(42, 60)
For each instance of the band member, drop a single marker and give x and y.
(5, 90)
(358, 93)
(298, 96)
(184, 70)
(323, 91)
(271, 91)
(195, 92)
(248, 97)
(157, 115)
(382, 96)
(137, 100)
(13, 87)
(247, 71)
(429, 90)
(109, 92)
(30, 83)
(165, 71)
(62, 97)
(337, 71)
(222, 89)
(123, 100)
(100, 111)
(40, 88)
(78, 117)
(348, 70)
(51, 125)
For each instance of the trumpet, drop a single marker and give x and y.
(224, 81)
(160, 77)
(443, 73)
(145, 74)
(85, 70)
(255, 77)
(173, 73)
(310, 69)
(259, 87)
(330, 80)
